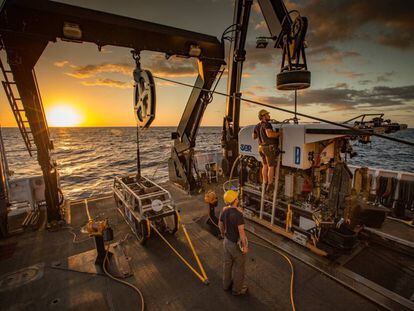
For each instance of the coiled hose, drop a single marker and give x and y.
(231, 172)
(122, 281)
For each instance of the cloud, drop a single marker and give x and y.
(341, 20)
(328, 54)
(252, 91)
(259, 88)
(109, 83)
(261, 26)
(88, 71)
(349, 74)
(345, 98)
(61, 64)
(165, 83)
(386, 77)
(342, 85)
(255, 57)
(365, 82)
(256, 7)
(173, 68)
(335, 21)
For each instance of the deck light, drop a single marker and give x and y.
(72, 31)
(195, 51)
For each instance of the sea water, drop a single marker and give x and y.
(89, 158)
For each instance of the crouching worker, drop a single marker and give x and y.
(231, 225)
(211, 199)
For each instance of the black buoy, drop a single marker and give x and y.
(293, 80)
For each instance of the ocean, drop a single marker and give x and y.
(89, 158)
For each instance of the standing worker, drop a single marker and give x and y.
(231, 224)
(211, 199)
(268, 147)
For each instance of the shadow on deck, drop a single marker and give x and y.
(165, 282)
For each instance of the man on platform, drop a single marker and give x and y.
(268, 148)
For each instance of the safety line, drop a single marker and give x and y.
(194, 253)
(201, 277)
(200, 265)
(356, 131)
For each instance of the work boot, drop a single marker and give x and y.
(243, 291)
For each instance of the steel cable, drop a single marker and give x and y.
(354, 130)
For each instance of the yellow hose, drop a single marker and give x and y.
(292, 270)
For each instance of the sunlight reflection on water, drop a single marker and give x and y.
(89, 158)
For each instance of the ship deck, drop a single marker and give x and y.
(164, 281)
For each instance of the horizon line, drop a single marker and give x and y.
(124, 126)
(106, 126)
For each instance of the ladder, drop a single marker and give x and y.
(17, 109)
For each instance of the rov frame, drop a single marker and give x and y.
(147, 207)
(142, 203)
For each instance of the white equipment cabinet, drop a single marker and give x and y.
(298, 141)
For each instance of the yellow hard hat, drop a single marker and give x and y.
(262, 113)
(230, 196)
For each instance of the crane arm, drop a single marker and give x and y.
(289, 35)
(26, 28)
(276, 16)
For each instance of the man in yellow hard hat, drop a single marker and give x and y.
(231, 224)
(268, 147)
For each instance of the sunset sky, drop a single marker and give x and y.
(360, 55)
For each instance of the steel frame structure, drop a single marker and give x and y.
(26, 28)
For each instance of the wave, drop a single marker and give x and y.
(89, 158)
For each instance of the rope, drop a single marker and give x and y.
(75, 236)
(355, 130)
(122, 281)
(87, 210)
(200, 276)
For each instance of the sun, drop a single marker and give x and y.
(63, 115)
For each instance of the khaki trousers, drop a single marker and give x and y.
(233, 266)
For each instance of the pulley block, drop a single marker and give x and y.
(144, 97)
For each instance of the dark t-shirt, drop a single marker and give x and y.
(232, 219)
(260, 131)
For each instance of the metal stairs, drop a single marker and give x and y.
(17, 108)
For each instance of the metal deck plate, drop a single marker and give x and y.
(21, 277)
